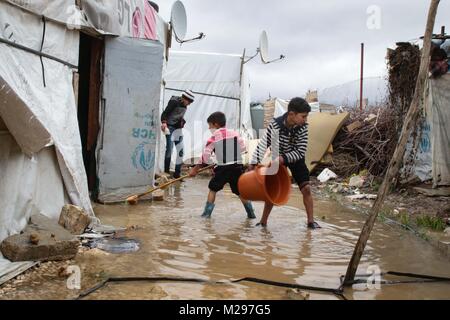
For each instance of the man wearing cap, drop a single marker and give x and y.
(172, 122)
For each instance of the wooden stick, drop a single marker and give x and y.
(396, 161)
(133, 199)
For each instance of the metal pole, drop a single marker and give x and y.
(240, 91)
(362, 79)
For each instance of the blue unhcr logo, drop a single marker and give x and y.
(143, 157)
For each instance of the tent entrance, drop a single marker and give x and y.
(90, 80)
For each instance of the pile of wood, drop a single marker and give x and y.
(269, 110)
(366, 142)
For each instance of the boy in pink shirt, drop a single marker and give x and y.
(227, 146)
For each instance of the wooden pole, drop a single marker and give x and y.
(396, 161)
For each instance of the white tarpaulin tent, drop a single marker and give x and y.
(41, 166)
(218, 86)
(40, 120)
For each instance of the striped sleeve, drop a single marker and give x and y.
(300, 145)
(263, 145)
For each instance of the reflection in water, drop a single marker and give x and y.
(176, 241)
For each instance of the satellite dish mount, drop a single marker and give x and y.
(263, 50)
(178, 23)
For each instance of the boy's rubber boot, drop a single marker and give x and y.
(250, 212)
(209, 207)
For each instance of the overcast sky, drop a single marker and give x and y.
(321, 39)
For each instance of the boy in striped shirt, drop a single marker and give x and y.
(287, 136)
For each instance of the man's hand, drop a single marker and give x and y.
(163, 127)
(193, 172)
(279, 160)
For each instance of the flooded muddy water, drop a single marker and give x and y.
(175, 241)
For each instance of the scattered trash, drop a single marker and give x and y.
(354, 125)
(362, 197)
(158, 195)
(91, 236)
(326, 175)
(115, 245)
(356, 181)
(106, 229)
(370, 118)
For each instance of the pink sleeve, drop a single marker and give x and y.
(207, 151)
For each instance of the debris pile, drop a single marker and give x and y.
(403, 69)
(367, 141)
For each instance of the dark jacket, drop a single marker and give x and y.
(173, 115)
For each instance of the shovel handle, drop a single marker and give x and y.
(135, 197)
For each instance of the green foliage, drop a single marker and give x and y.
(433, 223)
(404, 219)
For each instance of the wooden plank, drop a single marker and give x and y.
(15, 271)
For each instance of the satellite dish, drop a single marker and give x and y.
(264, 47)
(178, 20)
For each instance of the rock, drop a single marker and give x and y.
(74, 219)
(356, 181)
(158, 195)
(296, 294)
(34, 238)
(63, 272)
(62, 246)
(96, 252)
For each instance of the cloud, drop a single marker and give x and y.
(321, 39)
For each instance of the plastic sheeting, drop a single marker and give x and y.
(27, 186)
(212, 74)
(130, 18)
(430, 149)
(440, 134)
(39, 116)
(282, 105)
(347, 94)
